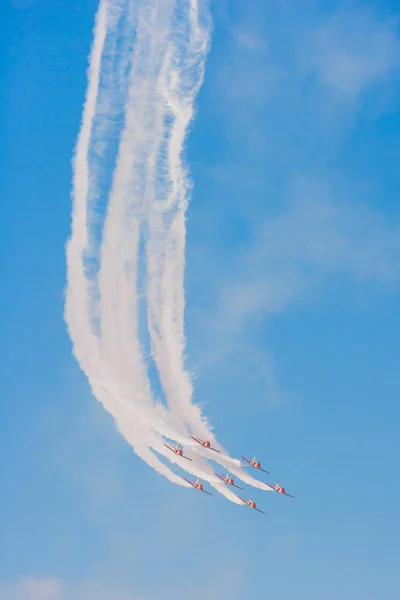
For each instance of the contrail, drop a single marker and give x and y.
(80, 310)
(130, 194)
(169, 186)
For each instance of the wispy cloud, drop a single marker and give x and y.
(298, 73)
(55, 589)
(321, 233)
(226, 578)
(350, 51)
(288, 104)
(317, 233)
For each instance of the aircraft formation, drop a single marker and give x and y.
(255, 464)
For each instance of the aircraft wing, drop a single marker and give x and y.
(247, 460)
(236, 486)
(196, 440)
(261, 511)
(270, 486)
(289, 496)
(264, 471)
(242, 499)
(222, 479)
(204, 492)
(191, 482)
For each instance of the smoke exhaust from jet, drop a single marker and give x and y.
(126, 253)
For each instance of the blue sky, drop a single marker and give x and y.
(292, 287)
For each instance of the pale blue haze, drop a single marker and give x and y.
(293, 314)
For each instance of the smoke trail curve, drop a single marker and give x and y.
(130, 194)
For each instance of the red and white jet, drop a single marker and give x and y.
(205, 444)
(255, 464)
(278, 488)
(198, 486)
(251, 504)
(176, 450)
(228, 480)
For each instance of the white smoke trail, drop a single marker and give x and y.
(79, 309)
(145, 70)
(183, 75)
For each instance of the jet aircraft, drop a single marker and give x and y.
(279, 489)
(205, 444)
(229, 480)
(255, 464)
(251, 504)
(198, 486)
(177, 450)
